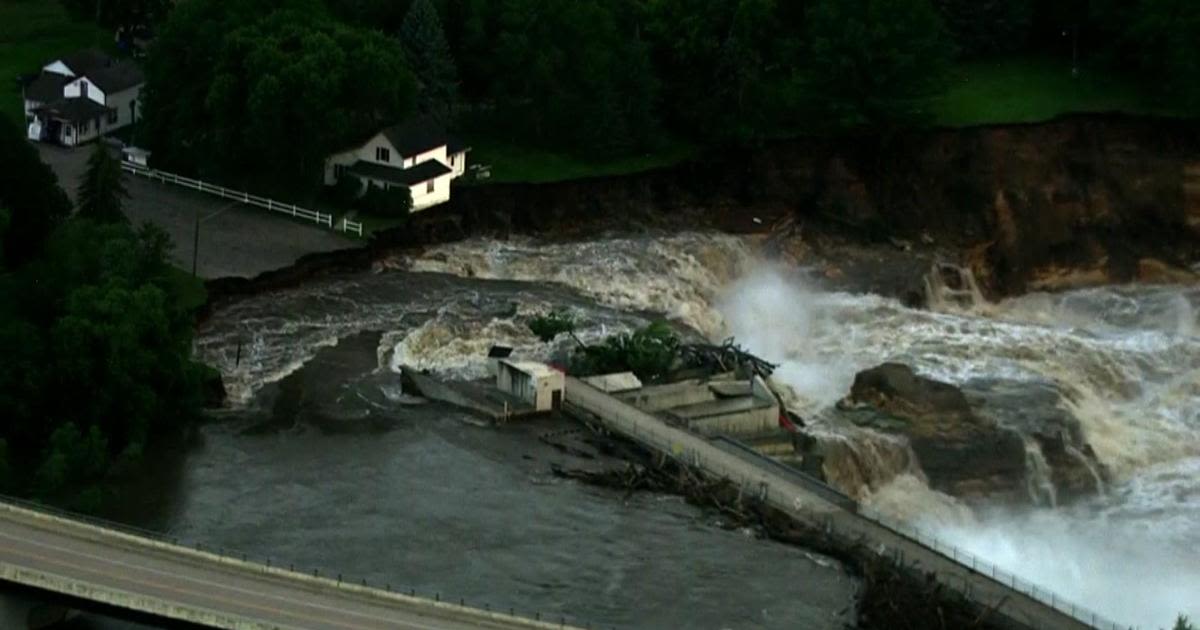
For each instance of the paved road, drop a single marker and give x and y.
(64, 556)
(235, 239)
(808, 506)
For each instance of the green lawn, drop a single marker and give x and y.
(34, 32)
(1034, 89)
(511, 163)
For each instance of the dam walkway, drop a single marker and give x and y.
(808, 501)
(81, 565)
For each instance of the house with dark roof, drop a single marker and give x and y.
(417, 154)
(82, 96)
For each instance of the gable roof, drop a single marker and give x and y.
(423, 172)
(415, 136)
(115, 78)
(47, 87)
(84, 61)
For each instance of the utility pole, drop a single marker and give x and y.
(196, 242)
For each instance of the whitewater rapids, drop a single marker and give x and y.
(1126, 361)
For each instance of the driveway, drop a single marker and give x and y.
(235, 239)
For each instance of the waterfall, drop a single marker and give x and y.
(1091, 467)
(1037, 476)
(952, 286)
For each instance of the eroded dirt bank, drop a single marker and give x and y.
(1079, 200)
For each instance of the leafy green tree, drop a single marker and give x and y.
(30, 193)
(733, 65)
(429, 57)
(3, 229)
(102, 190)
(1165, 33)
(118, 13)
(876, 62)
(1182, 623)
(566, 75)
(549, 326)
(983, 27)
(260, 92)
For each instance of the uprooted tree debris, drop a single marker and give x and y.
(892, 596)
(726, 357)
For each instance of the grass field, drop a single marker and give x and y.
(1032, 89)
(511, 163)
(35, 31)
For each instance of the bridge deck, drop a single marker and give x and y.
(79, 560)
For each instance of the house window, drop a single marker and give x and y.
(83, 88)
(339, 170)
(429, 186)
(85, 126)
(383, 154)
(452, 158)
(112, 116)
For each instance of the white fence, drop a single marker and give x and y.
(320, 218)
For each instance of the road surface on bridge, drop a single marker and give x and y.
(172, 582)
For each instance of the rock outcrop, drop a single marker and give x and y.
(991, 443)
(961, 453)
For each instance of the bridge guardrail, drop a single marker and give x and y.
(967, 560)
(267, 564)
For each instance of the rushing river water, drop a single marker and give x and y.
(343, 473)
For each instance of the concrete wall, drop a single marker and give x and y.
(749, 422)
(662, 397)
(1014, 608)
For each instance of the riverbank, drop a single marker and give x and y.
(1079, 201)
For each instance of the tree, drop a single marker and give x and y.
(3, 229)
(429, 57)
(565, 75)
(1182, 623)
(30, 193)
(1165, 33)
(876, 62)
(983, 27)
(260, 93)
(101, 191)
(118, 13)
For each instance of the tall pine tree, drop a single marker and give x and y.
(429, 57)
(101, 192)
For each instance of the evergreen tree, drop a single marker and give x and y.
(101, 191)
(876, 62)
(30, 193)
(429, 57)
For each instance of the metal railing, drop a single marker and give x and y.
(977, 566)
(267, 564)
(320, 218)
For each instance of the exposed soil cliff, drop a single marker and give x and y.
(1083, 199)
(1080, 200)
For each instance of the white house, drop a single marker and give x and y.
(416, 154)
(81, 97)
